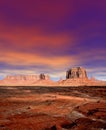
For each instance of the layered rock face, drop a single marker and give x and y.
(28, 77)
(78, 77)
(22, 77)
(77, 72)
(24, 80)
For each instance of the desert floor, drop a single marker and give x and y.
(52, 108)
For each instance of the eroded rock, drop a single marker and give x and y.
(77, 72)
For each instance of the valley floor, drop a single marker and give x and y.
(52, 108)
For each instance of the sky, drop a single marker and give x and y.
(52, 36)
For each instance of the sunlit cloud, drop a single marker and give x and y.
(15, 58)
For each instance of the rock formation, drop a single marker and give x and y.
(22, 77)
(28, 77)
(25, 80)
(42, 76)
(77, 72)
(74, 77)
(78, 77)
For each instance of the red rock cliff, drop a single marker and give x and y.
(77, 72)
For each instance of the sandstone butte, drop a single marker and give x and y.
(76, 76)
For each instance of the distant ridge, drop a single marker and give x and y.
(76, 76)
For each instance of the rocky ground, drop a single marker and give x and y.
(52, 108)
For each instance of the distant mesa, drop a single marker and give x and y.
(24, 80)
(76, 76)
(28, 77)
(43, 77)
(77, 72)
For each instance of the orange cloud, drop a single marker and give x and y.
(15, 58)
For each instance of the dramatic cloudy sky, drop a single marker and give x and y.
(51, 36)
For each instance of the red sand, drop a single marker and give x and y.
(48, 108)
